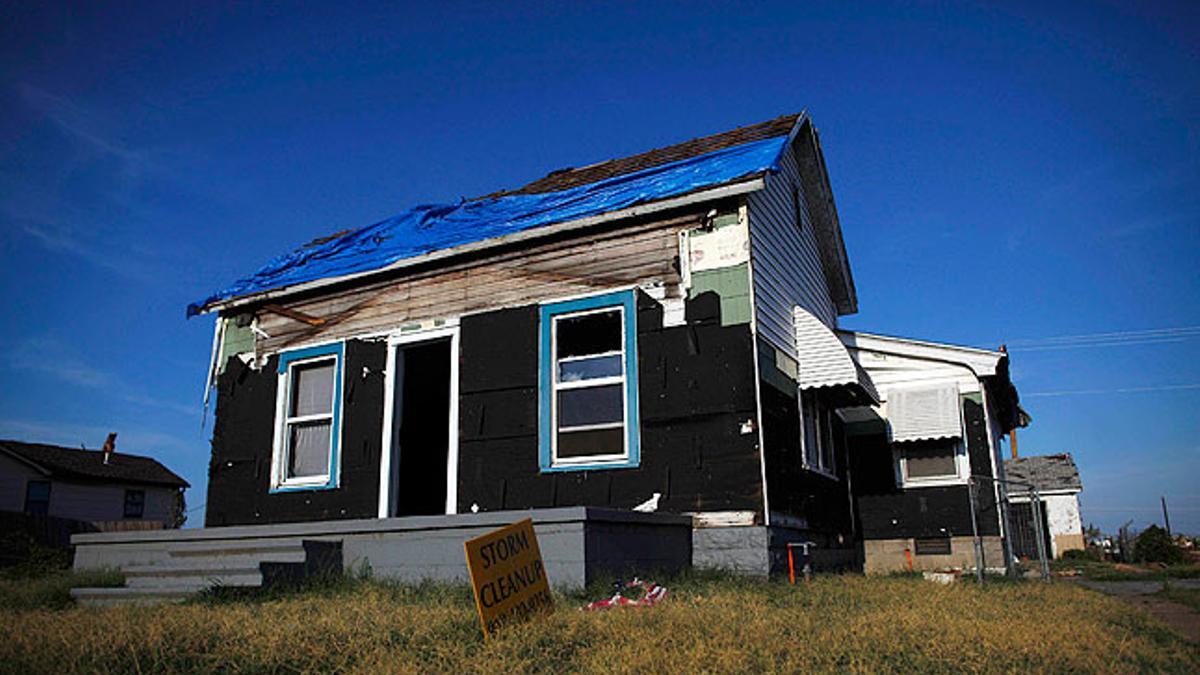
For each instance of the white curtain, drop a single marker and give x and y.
(309, 451)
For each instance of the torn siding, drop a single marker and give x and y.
(785, 257)
(642, 252)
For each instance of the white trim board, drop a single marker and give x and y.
(982, 362)
(394, 342)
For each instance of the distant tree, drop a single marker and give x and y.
(179, 513)
(1155, 545)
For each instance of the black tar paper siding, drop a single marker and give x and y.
(696, 387)
(888, 512)
(240, 469)
(823, 502)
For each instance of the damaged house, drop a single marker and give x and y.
(653, 333)
(943, 410)
(627, 331)
(1056, 480)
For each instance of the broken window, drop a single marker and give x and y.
(817, 431)
(930, 460)
(135, 503)
(589, 392)
(306, 439)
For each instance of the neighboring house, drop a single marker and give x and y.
(1056, 479)
(103, 488)
(638, 326)
(943, 410)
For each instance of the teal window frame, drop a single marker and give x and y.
(279, 481)
(627, 302)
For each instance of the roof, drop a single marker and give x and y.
(89, 464)
(1048, 473)
(574, 177)
(571, 195)
(983, 362)
(991, 367)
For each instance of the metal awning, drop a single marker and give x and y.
(924, 413)
(826, 364)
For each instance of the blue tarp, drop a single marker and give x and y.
(433, 227)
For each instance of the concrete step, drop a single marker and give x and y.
(240, 559)
(257, 549)
(192, 576)
(111, 597)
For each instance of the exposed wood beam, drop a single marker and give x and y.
(293, 314)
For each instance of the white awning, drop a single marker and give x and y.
(825, 362)
(926, 413)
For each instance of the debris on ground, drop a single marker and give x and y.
(651, 594)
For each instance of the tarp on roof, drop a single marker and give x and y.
(434, 227)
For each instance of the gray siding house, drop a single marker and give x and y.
(107, 489)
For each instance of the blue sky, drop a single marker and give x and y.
(1003, 174)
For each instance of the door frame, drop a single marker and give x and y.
(395, 341)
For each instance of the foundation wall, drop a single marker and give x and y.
(884, 556)
(579, 545)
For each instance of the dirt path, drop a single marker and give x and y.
(1181, 618)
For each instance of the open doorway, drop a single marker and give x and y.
(420, 444)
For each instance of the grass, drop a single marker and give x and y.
(1106, 571)
(52, 590)
(708, 624)
(1184, 596)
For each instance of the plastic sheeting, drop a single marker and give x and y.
(433, 227)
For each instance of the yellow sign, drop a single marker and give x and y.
(508, 576)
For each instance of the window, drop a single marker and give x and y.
(37, 496)
(799, 207)
(819, 450)
(588, 388)
(932, 546)
(135, 503)
(307, 419)
(937, 462)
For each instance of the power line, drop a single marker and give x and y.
(1123, 390)
(1111, 335)
(1108, 339)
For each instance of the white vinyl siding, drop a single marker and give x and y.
(787, 265)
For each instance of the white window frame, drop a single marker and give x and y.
(962, 467)
(280, 482)
(388, 465)
(624, 301)
(556, 386)
(824, 427)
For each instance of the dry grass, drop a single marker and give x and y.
(1183, 596)
(47, 589)
(832, 624)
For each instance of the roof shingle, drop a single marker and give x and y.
(1045, 472)
(573, 177)
(90, 464)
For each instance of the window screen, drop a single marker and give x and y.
(930, 459)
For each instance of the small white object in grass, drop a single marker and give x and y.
(650, 505)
